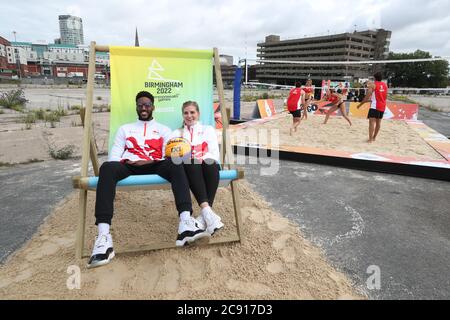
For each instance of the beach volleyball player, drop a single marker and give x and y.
(295, 104)
(337, 103)
(309, 96)
(377, 94)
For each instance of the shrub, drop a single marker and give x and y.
(53, 117)
(5, 164)
(62, 154)
(265, 95)
(34, 160)
(75, 109)
(14, 99)
(101, 108)
(61, 112)
(248, 98)
(29, 119)
(40, 114)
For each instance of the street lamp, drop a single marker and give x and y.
(16, 52)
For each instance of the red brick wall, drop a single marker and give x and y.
(34, 69)
(3, 63)
(71, 68)
(75, 68)
(4, 60)
(5, 42)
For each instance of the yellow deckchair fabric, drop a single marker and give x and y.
(188, 75)
(172, 76)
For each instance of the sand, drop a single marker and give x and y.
(395, 137)
(272, 262)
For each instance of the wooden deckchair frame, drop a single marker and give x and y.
(89, 153)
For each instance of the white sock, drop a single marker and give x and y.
(185, 215)
(103, 228)
(206, 210)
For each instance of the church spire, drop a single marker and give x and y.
(136, 39)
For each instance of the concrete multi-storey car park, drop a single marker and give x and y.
(356, 46)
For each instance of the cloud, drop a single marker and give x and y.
(234, 26)
(74, 10)
(434, 37)
(398, 15)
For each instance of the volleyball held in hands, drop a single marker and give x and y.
(178, 149)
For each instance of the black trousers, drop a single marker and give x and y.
(203, 180)
(113, 171)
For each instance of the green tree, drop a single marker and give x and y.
(432, 74)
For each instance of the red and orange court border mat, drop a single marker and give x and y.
(435, 169)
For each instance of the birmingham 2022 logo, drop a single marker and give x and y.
(163, 86)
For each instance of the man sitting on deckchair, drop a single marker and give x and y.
(137, 150)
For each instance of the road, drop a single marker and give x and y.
(439, 121)
(364, 220)
(28, 193)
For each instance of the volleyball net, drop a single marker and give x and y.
(350, 76)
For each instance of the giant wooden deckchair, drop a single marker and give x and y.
(228, 174)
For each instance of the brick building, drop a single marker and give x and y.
(13, 60)
(4, 65)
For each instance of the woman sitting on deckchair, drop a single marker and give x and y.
(203, 168)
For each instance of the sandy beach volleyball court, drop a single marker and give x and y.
(395, 137)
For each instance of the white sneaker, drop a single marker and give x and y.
(103, 251)
(189, 230)
(201, 222)
(211, 220)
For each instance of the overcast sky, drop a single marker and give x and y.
(234, 26)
